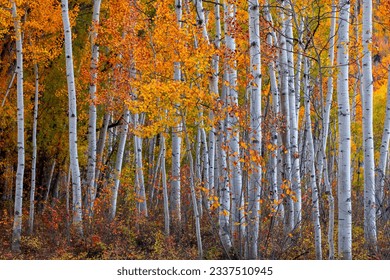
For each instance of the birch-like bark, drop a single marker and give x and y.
(74, 161)
(34, 153)
(322, 160)
(274, 192)
(255, 129)
(91, 170)
(224, 179)
(193, 195)
(233, 133)
(312, 171)
(344, 115)
(297, 83)
(118, 162)
(384, 152)
(368, 134)
(139, 175)
(206, 179)
(176, 142)
(17, 225)
(198, 172)
(164, 185)
(200, 18)
(295, 156)
(285, 109)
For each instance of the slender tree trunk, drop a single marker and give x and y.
(368, 134)
(255, 129)
(322, 160)
(206, 179)
(17, 225)
(312, 171)
(165, 187)
(344, 114)
(49, 180)
(193, 194)
(176, 144)
(224, 179)
(118, 162)
(284, 92)
(295, 157)
(34, 153)
(74, 162)
(214, 89)
(233, 133)
(384, 152)
(91, 170)
(274, 192)
(139, 176)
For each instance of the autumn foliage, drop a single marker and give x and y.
(140, 43)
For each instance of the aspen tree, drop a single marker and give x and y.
(164, 185)
(276, 108)
(233, 133)
(368, 134)
(193, 194)
(92, 107)
(74, 161)
(312, 171)
(224, 179)
(344, 121)
(213, 158)
(176, 141)
(255, 129)
(323, 169)
(139, 173)
(295, 157)
(285, 109)
(34, 152)
(17, 225)
(118, 162)
(384, 152)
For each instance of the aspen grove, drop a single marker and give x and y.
(177, 129)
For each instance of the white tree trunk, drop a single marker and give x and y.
(206, 178)
(233, 133)
(368, 134)
(344, 169)
(200, 18)
(276, 109)
(384, 152)
(224, 179)
(255, 129)
(118, 162)
(164, 185)
(17, 225)
(284, 92)
(193, 195)
(139, 175)
(295, 156)
(322, 160)
(312, 171)
(34, 153)
(92, 108)
(74, 161)
(176, 143)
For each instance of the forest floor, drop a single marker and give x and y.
(128, 239)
